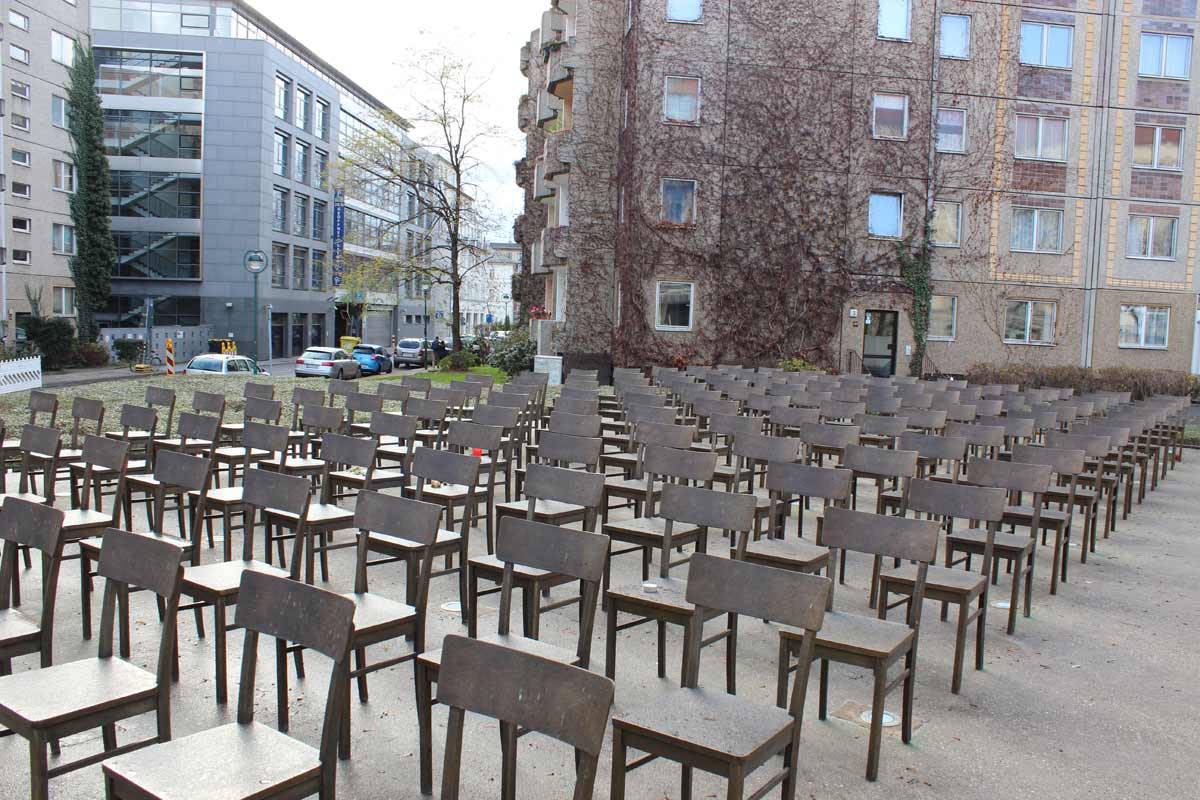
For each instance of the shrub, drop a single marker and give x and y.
(1141, 383)
(55, 338)
(129, 351)
(458, 361)
(514, 354)
(798, 364)
(93, 355)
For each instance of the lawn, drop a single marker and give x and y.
(446, 377)
(1191, 434)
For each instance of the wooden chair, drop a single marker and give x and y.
(1066, 466)
(43, 412)
(162, 402)
(361, 403)
(37, 527)
(315, 422)
(432, 417)
(83, 411)
(39, 449)
(231, 432)
(823, 441)
(258, 411)
(562, 450)
(926, 420)
(574, 555)
(245, 759)
(395, 436)
(302, 397)
(394, 396)
(789, 420)
(486, 443)
(508, 420)
(687, 514)
(880, 431)
(207, 404)
(45, 705)
(983, 441)
(341, 388)
(948, 502)
(721, 733)
(872, 644)
(197, 436)
(1099, 482)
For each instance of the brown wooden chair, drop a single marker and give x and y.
(162, 402)
(43, 412)
(231, 432)
(508, 420)
(983, 441)
(432, 417)
(788, 420)
(632, 486)
(394, 396)
(485, 442)
(1099, 482)
(359, 403)
(315, 421)
(204, 404)
(258, 411)
(245, 759)
(948, 502)
(37, 527)
(562, 450)
(754, 453)
(197, 436)
(45, 705)
(880, 431)
(1066, 467)
(341, 388)
(83, 411)
(822, 441)
(39, 449)
(872, 644)
(716, 732)
(577, 555)
(302, 397)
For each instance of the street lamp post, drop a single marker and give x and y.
(425, 325)
(255, 262)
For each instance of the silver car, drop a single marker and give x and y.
(327, 362)
(412, 353)
(222, 364)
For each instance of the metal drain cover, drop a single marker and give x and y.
(889, 720)
(1001, 604)
(453, 605)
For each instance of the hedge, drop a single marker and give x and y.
(1141, 383)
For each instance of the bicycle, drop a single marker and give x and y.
(147, 364)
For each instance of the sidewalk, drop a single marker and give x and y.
(82, 377)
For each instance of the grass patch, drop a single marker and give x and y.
(1191, 434)
(446, 377)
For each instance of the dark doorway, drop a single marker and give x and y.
(278, 335)
(879, 342)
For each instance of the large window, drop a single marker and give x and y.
(322, 120)
(1036, 230)
(1145, 326)
(1046, 45)
(951, 130)
(955, 36)
(283, 144)
(673, 308)
(157, 256)
(62, 239)
(302, 162)
(144, 195)
(62, 48)
(884, 214)
(279, 265)
(1041, 137)
(889, 116)
(299, 267)
(300, 215)
(321, 175)
(1165, 56)
(1151, 237)
(368, 230)
(319, 216)
(1029, 321)
(318, 271)
(128, 311)
(893, 19)
(1157, 148)
(685, 10)
(59, 111)
(283, 98)
(303, 108)
(64, 176)
(681, 100)
(943, 317)
(279, 213)
(679, 201)
(947, 223)
(145, 74)
(64, 301)
(154, 134)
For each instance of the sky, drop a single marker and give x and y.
(367, 40)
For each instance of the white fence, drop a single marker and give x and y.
(18, 374)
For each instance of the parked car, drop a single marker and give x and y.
(372, 358)
(327, 362)
(412, 353)
(222, 364)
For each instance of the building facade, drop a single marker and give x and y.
(728, 182)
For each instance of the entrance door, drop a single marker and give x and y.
(879, 342)
(1196, 346)
(278, 335)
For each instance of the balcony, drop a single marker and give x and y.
(524, 113)
(549, 109)
(525, 54)
(522, 170)
(542, 188)
(554, 29)
(558, 154)
(556, 245)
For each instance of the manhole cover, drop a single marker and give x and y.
(453, 605)
(1001, 604)
(889, 720)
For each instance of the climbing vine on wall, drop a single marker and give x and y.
(917, 272)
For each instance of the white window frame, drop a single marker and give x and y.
(666, 93)
(18, 20)
(1029, 320)
(1041, 118)
(1037, 226)
(19, 89)
(899, 217)
(941, 53)
(662, 211)
(26, 127)
(699, 20)
(957, 226)
(1158, 130)
(1162, 58)
(658, 324)
(1046, 26)
(54, 243)
(28, 190)
(25, 227)
(953, 319)
(628, 16)
(60, 169)
(68, 56)
(937, 142)
(18, 54)
(66, 293)
(1141, 334)
(903, 137)
(25, 259)
(26, 161)
(66, 115)
(1153, 222)
(907, 37)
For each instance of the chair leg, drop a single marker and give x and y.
(39, 779)
(823, 699)
(685, 782)
(617, 781)
(910, 685)
(1054, 566)
(85, 594)
(876, 735)
(219, 646)
(360, 664)
(424, 696)
(980, 631)
(960, 646)
(662, 648)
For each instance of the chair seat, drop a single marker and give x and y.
(866, 636)
(382, 542)
(16, 627)
(1006, 543)
(378, 478)
(71, 454)
(238, 453)
(131, 436)
(637, 485)
(942, 579)
(230, 762)
(373, 612)
(84, 518)
(223, 577)
(1022, 515)
(318, 514)
(542, 509)
(294, 464)
(225, 496)
(650, 529)
(68, 691)
(721, 725)
(144, 482)
(175, 441)
(445, 492)
(494, 565)
(670, 594)
(787, 553)
(530, 646)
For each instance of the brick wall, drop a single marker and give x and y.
(1039, 176)
(1162, 93)
(1156, 184)
(1169, 8)
(1048, 84)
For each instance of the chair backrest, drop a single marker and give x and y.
(264, 489)
(876, 461)
(932, 446)
(485, 380)
(926, 419)
(263, 391)
(43, 403)
(875, 534)
(402, 426)
(707, 508)
(1067, 463)
(305, 397)
(658, 415)
(571, 405)
(564, 449)
(874, 425)
(263, 409)
(1096, 446)
(576, 392)
(756, 448)
(672, 463)
(37, 526)
(208, 403)
(392, 392)
(340, 452)
(341, 388)
(260, 436)
(413, 520)
(430, 464)
(977, 435)
(524, 691)
(563, 551)
(655, 434)
(880, 404)
(562, 485)
(160, 397)
(1033, 478)
(199, 427)
(834, 437)
(792, 417)
(109, 454)
(361, 402)
(433, 411)
(138, 418)
(85, 409)
(506, 417)
(576, 425)
(957, 500)
(838, 409)
(175, 469)
(315, 419)
(809, 481)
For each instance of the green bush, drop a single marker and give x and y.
(1141, 383)
(458, 361)
(91, 354)
(54, 337)
(514, 354)
(129, 351)
(798, 365)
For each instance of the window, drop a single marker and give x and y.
(149, 195)
(318, 219)
(62, 48)
(1029, 321)
(19, 54)
(299, 267)
(302, 151)
(279, 220)
(159, 134)
(1151, 237)
(943, 317)
(947, 223)
(20, 89)
(300, 216)
(1045, 45)
(59, 111)
(283, 98)
(18, 20)
(1041, 137)
(282, 145)
(21, 158)
(318, 271)
(64, 176)
(1144, 326)
(893, 19)
(889, 117)
(197, 21)
(955, 38)
(62, 239)
(681, 102)
(1165, 56)
(22, 225)
(679, 201)
(884, 214)
(951, 130)
(64, 301)
(321, 176)
(303, 108)
(1036, 230)
(20, 122)
(1157, 148)
(685, 10)
(21, 190)
(149, 74)
(279, 257)
(21, 256)
(157, 255)
(322, 127)
(673, 311)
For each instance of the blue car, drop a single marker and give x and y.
(374, 359)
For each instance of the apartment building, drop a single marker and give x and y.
(712, 181)
(487, 288)
(36, 235)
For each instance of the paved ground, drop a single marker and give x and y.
(1094, 697)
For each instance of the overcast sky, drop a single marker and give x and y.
(368, 39)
